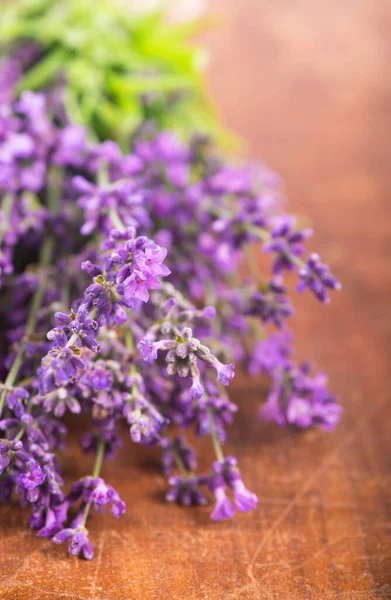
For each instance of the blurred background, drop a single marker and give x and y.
(306, 85)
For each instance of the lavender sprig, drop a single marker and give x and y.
(139, 261)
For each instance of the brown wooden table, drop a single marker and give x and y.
(307, 83)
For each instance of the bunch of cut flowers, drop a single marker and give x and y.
(130, 287)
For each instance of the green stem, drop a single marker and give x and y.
(179, 464)
(74, 337)
(264, 236)
(116, 220)
(259, 233)
(171, 291)
(178, 460)
(65, 295)
(252, 263)
(257, 329)
(103, 181)
(6, 209)
(44, 261)
(215, 440)
(103, 175)
(95, 473)
(20, 434)
(129, 341)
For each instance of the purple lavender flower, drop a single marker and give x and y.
(99, 203)
(149, 349)
(16, 401)
(224, 372)
(71, 146)
(223, 508)
(163, 210)
(299, 412)
(49, 521)
(244, 499)
(141, 262)
(151, 260)
(317, 277)
(270, 353)
(102, 494)
(270, 303)
(222, 411)
(271, 409)
(5, 456)
(177, 448)
(327, 413)
(32, 477)
(96, 492)
(10, 69)
(185, 491)
(286, 244)
(58, 401)
(138, 284)
(60, 367)
(299, 399)
(79, 544)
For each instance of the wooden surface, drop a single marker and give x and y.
(307, 83)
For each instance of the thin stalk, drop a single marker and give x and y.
(114, 216)
(129, 341)
(65, 296)
(103, 175)
(257, 329)
(259, 233)
(6, 210)
(20, 434)
(215, 439)
(74, 337)
(103, 181)
(179, 464)
(178, 460)
(252, 263)
(264, 236)
(170, 291)
(44, 261)
(95, 473)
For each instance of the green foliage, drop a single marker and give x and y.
(112, 57)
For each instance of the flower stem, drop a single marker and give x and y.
(6, 209)
(129, 341)
(103, 181)
(252, 263)
(44, 261)
(116, 220)
(265, 236)
(95, 473)
(75, 336)
(215, 438)
(179, 464)
(99, 458)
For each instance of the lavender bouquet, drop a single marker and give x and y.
(129, 289)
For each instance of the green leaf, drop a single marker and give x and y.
(112, 56)
(46, 69)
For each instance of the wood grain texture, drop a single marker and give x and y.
(307, 84)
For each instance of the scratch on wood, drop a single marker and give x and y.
(98, 562)
(326, 547)
(325, 464)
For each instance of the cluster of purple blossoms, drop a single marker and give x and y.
(120, 299)
(226, 474)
